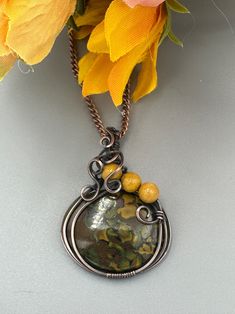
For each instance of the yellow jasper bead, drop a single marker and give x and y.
(110, 168)
(149, 192)
(131, 182)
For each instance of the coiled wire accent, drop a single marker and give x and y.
(150, 210)
(121, 276)
(110, 154)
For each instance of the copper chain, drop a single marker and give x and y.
(95, 115)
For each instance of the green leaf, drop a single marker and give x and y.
(81, 6)
(167, 27)
(174, 5)
(71, 24)
(175, 39)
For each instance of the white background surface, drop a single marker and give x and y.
(181, 136)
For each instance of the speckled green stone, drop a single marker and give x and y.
(110, 238)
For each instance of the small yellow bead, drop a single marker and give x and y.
(149, 192)
(131, 182)
(110, 168)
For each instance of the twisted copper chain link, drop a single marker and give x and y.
(95, 115)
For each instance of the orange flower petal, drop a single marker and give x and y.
(6, 63)
(96, 80)
(4, 50)
(83, 32)
(99, 74)
(126, 28)
(85, 64)
(147, 78)
(34, 26)
(97, 42)
(94, 13)
(121, 72)
(123, 68)
(112, 19)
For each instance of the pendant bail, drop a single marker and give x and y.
(111, 140)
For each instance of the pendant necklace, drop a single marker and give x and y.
(117, 227)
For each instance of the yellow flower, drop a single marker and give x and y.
(124, 38)
(94, 14)
(6, 63)
(28, 29)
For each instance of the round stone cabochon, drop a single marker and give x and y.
(110, 238)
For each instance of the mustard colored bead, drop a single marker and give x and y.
(149, 192)
(131, 182)
(110, 168)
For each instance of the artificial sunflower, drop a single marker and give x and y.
(120, 35)
(120, 38)
(28, 29)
